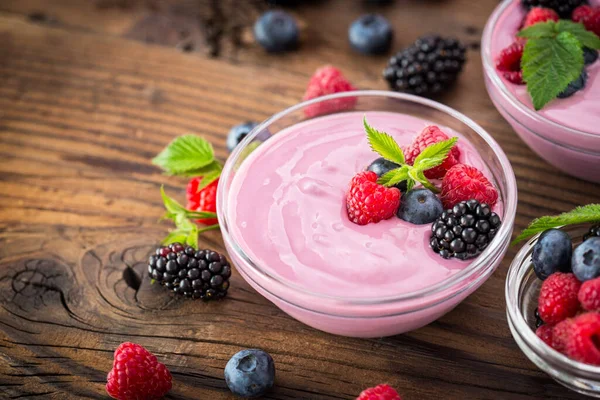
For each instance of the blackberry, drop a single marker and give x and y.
(593, 232)
(564, 8)
(427, 67)
(465, 230)
(202, 274)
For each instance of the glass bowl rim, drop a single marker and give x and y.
(503, 235)
(490, 71)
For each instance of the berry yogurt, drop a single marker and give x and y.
(287, 213)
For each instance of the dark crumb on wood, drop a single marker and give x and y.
(474, 45)
(471, 30)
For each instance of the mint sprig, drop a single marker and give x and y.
(580, 215)
(553, 57)
(432, 156)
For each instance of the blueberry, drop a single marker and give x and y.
(421, 206)
(250, 373)
(586, 260)
(381, 166)
(589, 55)
(238, 133)
(371, 34)
(276, 31)
(552, 253)
(575, 86)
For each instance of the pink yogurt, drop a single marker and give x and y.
(566, 132)
(287, 207)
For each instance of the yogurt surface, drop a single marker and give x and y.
(288, 212)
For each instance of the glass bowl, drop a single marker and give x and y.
(382, 316)
(522, 290)
(573, 151)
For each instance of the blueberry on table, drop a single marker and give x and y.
(381, 166)
(371, 34)
(420, 206)
(586, 260)
(250, 373)
(238, 133)
(276, 31)
(552, 253)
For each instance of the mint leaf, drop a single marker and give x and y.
(394, 176)
(172, 206)
(383, 144)
(585, 37)
(434, 154)
(184, 154)
(580, 215)
(546, 29)
(175, 236)
(420, 177)
(549, 65)
(192, 237)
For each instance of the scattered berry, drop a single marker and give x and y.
(558, 298)
(328, 80)
(430, 135)
(552, 253)
(589, 17)
(381, 166)
(202, 274)
(575, 86)
(368, 202)
(276, 31)
(544, 332)
(238, 133)
(509, 63)
(203, 200)
(465, 230)
(539, 14)
(371, 34)
(564, 8)
(136, 374)
(420, 206)
(589, 55)
(427, 67)
(250, 373)
(560, 335)
(589, 295)
(582, 341)
(586, 260)
(379, 392)
(463, 182)
(593, 232)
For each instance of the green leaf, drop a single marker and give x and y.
(200, 214)
(383, 144)
(185, 153)
(580, 215)
(546, 29)
(419, 176)
(192, 237)
(434, 154)
(549, 65)
(183, 223)
(394, 176)
(209, 228)
(172, 206)
(175, 236)
(585, 37)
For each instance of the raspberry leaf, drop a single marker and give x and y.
(184, 154)
(419, 176)
(546, 29)
(434, 154)
(172, 206)
(175, 236)
(580, 215)
(192, 237)
(383, 144)
(585, 37)
(394, 176)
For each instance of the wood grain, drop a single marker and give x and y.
(86, 101)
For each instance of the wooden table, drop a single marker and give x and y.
(90, 91)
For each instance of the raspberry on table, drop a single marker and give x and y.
(544, 332)
(589, 295)
(136, 374)
(430, 135)
(509, 62)
(540, 14)
(203, 200)
(463, 182)
(379, 392)
(589, 17)
(328, 80)
(368, 202)
(582, 340)
(558, 298)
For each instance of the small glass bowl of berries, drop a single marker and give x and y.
(553, 304)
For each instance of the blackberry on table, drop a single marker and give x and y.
(564, 8)
(465, 230)
(197, 274)
(427, 67)
(593, 232)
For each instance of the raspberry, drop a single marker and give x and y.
(367, 202)
(540, 14)
(560, 334)
(589, 295)
(430, 135)
(463, 182)
(558, 297)
(328, 80)
(203, 200)
(589, 17)
(583, 340)
(137, 375)
(544, 332)
(509, 63)
(379, 392)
